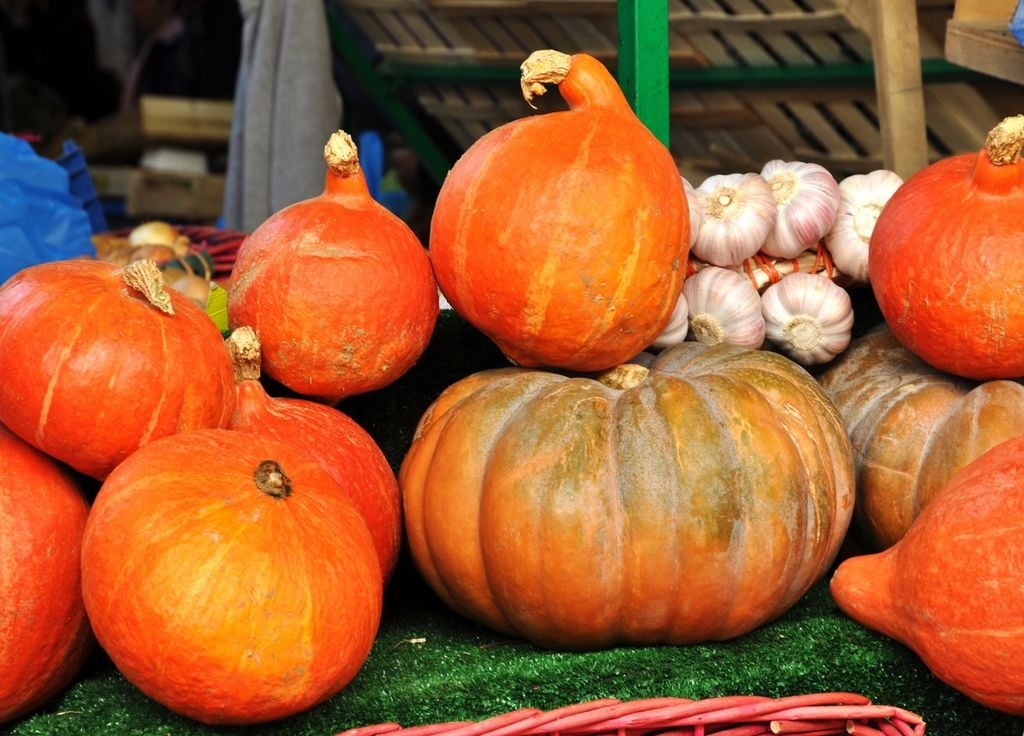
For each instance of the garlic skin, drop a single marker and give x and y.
(737, 213)
(861, 199)
(724, 307)
(808, 317)
(695, 213)
(677, 328)
(807, 197)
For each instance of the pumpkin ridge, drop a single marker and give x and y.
(541, 287)
(154, 416)
(65, 354)
(463, 295)
(453, 414)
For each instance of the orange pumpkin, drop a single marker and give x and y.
(945, 260)
(951, 588)
(912, 428)
(229, 577)
(98, 359)
(344, 449)
(44, 634)
(338, 288)
(564, 237)
(690, 501)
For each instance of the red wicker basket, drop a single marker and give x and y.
(822, 714)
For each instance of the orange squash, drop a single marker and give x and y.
(912, 428)
(44, 634)
(96, 360)
(344, 449)
(339, 290)
(229, 577)
(564, 236)
(945, 261)
(951, 588)
(690, 501)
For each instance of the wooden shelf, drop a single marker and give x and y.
(986, 47)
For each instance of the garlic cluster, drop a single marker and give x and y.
(807, 198)
(737, 211)
(808, 317)
(861, 199)
(724, 306)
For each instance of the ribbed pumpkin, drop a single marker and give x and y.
(344, 449)
(338, 288)
(564, 236)
(912, 428)
(951, 588)
(229, 577)
(946, 262)
(690, 501)
(44, 635)
(96, 360)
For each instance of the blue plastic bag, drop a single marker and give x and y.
(39, 219)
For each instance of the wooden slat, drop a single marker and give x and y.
(898, 81)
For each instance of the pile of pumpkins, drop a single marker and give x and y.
(593, 493)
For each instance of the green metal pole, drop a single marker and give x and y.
(643, 61)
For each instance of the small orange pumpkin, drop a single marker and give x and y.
(44, 634)
(689, 501)
(564, 237)
(951, 588)
(345, 450)
(338, 288)
(229, 577)
(945, 261)
(98, 359)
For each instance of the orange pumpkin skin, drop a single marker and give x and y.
(912, 427)
(90, 370)
(44, 634)
(951, 588)
(945, 262)
(345, 450)
(223, 602)
(339, 290)
(564, 237)
(688, 507)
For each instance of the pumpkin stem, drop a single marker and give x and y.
(542, 67)
(341, 154)
(244, 346)
(144, 276)
(624, 376)
(1004, 142)
(271, 479)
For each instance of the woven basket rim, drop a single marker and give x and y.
(815, 714)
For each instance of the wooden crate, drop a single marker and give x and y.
(712, 131)
(185, 120)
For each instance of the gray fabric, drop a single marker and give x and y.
(286, 107)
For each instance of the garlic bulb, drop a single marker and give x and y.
(724, 307)
(808, 317)
(807, 197)
(677, 328)
(737, 213)
(861, 199)
(694, 206)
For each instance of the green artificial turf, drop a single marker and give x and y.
(429, 665)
